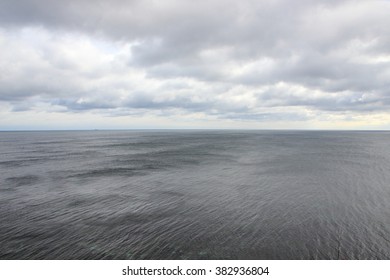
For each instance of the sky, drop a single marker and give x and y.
(215, 64)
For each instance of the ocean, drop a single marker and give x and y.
(188, 194)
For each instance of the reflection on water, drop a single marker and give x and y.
(194, 195)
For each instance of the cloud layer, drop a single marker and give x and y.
(259, 63)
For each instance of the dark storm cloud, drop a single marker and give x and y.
(329, 55)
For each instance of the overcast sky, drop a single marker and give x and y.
(260, 64)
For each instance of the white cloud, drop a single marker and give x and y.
(249, 63)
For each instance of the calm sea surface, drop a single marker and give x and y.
(194, 195)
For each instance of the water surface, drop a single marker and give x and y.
(194, 195)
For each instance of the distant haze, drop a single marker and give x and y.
(280, 64)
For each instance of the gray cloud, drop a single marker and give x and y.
(234, 59)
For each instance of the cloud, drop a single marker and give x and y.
(247, 60)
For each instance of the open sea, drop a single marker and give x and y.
(190, 194)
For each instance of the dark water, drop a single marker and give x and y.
(194, 195)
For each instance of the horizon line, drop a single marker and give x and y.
(194, 129)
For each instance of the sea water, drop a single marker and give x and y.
(190, 194)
